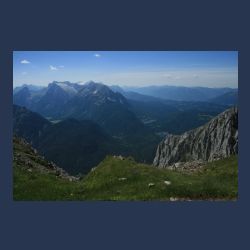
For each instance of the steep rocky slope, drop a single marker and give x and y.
(215, 140)
(27, 159)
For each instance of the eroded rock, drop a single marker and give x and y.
(215, 140)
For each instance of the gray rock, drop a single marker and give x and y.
(167, 182)
(173, 199)
(93, 169)
(118, 157)
(122, 179)
(215, 140)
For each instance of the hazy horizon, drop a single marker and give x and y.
(128, 68)
(124, 86)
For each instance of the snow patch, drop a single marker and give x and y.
(67, 88)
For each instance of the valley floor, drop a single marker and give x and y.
(117, 179)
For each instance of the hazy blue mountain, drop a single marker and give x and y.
(23, 97)
(77, 146)
(117, 88)
(134, 95)
(55, 97)
(173, 116)
(111, 110)
(230, 98)
(47, 101)
(180, 93)
(32, 88)
(131, 111)
(97, 102)
(28, 125)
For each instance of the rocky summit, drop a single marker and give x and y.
(215, 140)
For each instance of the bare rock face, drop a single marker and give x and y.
(215, 140)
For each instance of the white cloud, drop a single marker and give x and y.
(53, 68)
(97, 55)
(25, 61)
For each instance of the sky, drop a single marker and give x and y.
(128, 68)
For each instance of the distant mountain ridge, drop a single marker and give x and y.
(131, 111)
(180, 93)
(229, 98)
(47, 101)
(31, 87)
(91, 101)
(165, 92)
(75, 145)
(79, 145)
(99, 103)
(28, 125)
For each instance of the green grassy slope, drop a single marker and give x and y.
(218, 180)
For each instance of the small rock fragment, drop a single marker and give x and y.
(173, 199)
(151, 184)
(122, 179)
(167, 182)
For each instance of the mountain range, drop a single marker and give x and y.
(132, 110)
(78, 145)
(180, 93)
(75, 145)
(78, 125)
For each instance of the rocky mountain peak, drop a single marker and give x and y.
(25, 90)
(22, 97)
(215, 140)
(101, 93)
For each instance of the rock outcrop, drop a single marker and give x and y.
(215, 140)
(27, 158)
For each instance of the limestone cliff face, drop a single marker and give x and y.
(215, 140)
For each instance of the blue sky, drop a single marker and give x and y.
(127, 68)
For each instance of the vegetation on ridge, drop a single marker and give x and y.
(124, 179)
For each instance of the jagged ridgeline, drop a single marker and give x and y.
(217, 139)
